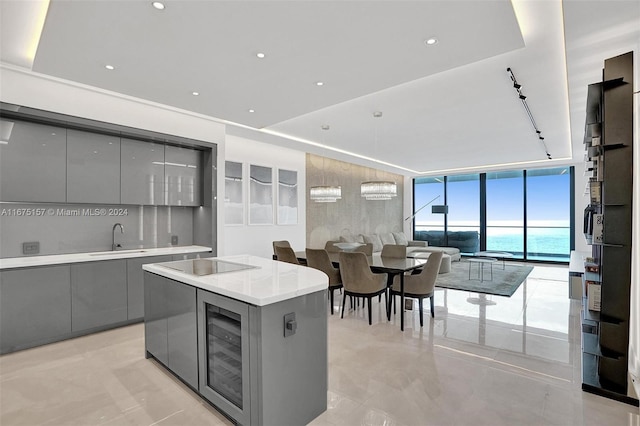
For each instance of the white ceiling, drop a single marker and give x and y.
(446, 108)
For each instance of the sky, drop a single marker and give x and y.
(548, 201)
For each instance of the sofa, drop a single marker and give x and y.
(413, 246)
(465, 241)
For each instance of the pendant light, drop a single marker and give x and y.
(325, 193)
(378, 190)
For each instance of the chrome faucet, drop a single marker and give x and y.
(115, 246)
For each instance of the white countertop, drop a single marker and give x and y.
(270, 282)
(59, 259)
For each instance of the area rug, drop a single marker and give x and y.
(504, 283)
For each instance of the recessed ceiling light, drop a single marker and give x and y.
(319, 83)
(431, 41)
(252, 110)
(158, 5)
(110, 67)
(325, 127)
(195, 93)
(260, 55)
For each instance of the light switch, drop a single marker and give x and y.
(174, 240)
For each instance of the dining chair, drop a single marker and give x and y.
(394, 250)
(330, 248)
(282, 243)
(420, 285)
(286, 254)
(359, 281)
(367, 249)
(319, 259)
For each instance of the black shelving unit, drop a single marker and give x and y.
(609, 146)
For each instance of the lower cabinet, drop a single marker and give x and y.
(171, 326)
(135, 284)
(98, 294)
(250, 362)
(35, 306)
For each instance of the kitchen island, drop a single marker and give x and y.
(247, 334)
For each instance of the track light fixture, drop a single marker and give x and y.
(523, 98)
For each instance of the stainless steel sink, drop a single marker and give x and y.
(117, 253)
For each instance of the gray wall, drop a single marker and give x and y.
(352, 214)
(60, 233)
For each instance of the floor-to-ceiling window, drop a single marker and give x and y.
(524, 212)
(428, 191)
(548, 213)
(463, 217)
(505, 212)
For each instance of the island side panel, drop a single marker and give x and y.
(291, 371)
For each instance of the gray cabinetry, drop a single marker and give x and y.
(35, 306)
(32, 162)
(93, 168)
(142, 172)
(171, 326)
(183, 176)
(98, 294)
(135, 284)
(250, 365)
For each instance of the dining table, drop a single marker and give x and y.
(378, 263)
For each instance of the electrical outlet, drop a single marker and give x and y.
(174, 240)
(32, 247)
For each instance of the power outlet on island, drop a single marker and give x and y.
(174, 240)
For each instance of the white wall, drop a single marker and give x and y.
(23, 87)
(256, 239)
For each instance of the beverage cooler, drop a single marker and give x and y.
(224, 354)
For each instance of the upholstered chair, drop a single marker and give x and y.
(330, 248)
(394, 250)
(286, 254)
(358, 279)
(420, 285)
(367, 249)
(283, 243)
(319, 259)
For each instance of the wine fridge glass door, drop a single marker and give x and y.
(223, 347)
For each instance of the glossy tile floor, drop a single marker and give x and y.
(482, 361)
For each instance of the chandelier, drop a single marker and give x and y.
(325, 194)
(378, 190)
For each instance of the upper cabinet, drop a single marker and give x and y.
(49, 164)
(141, 172)
(93, 168)
(32, 162)
(183, 176)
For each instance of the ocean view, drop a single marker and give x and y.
(543, 243)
